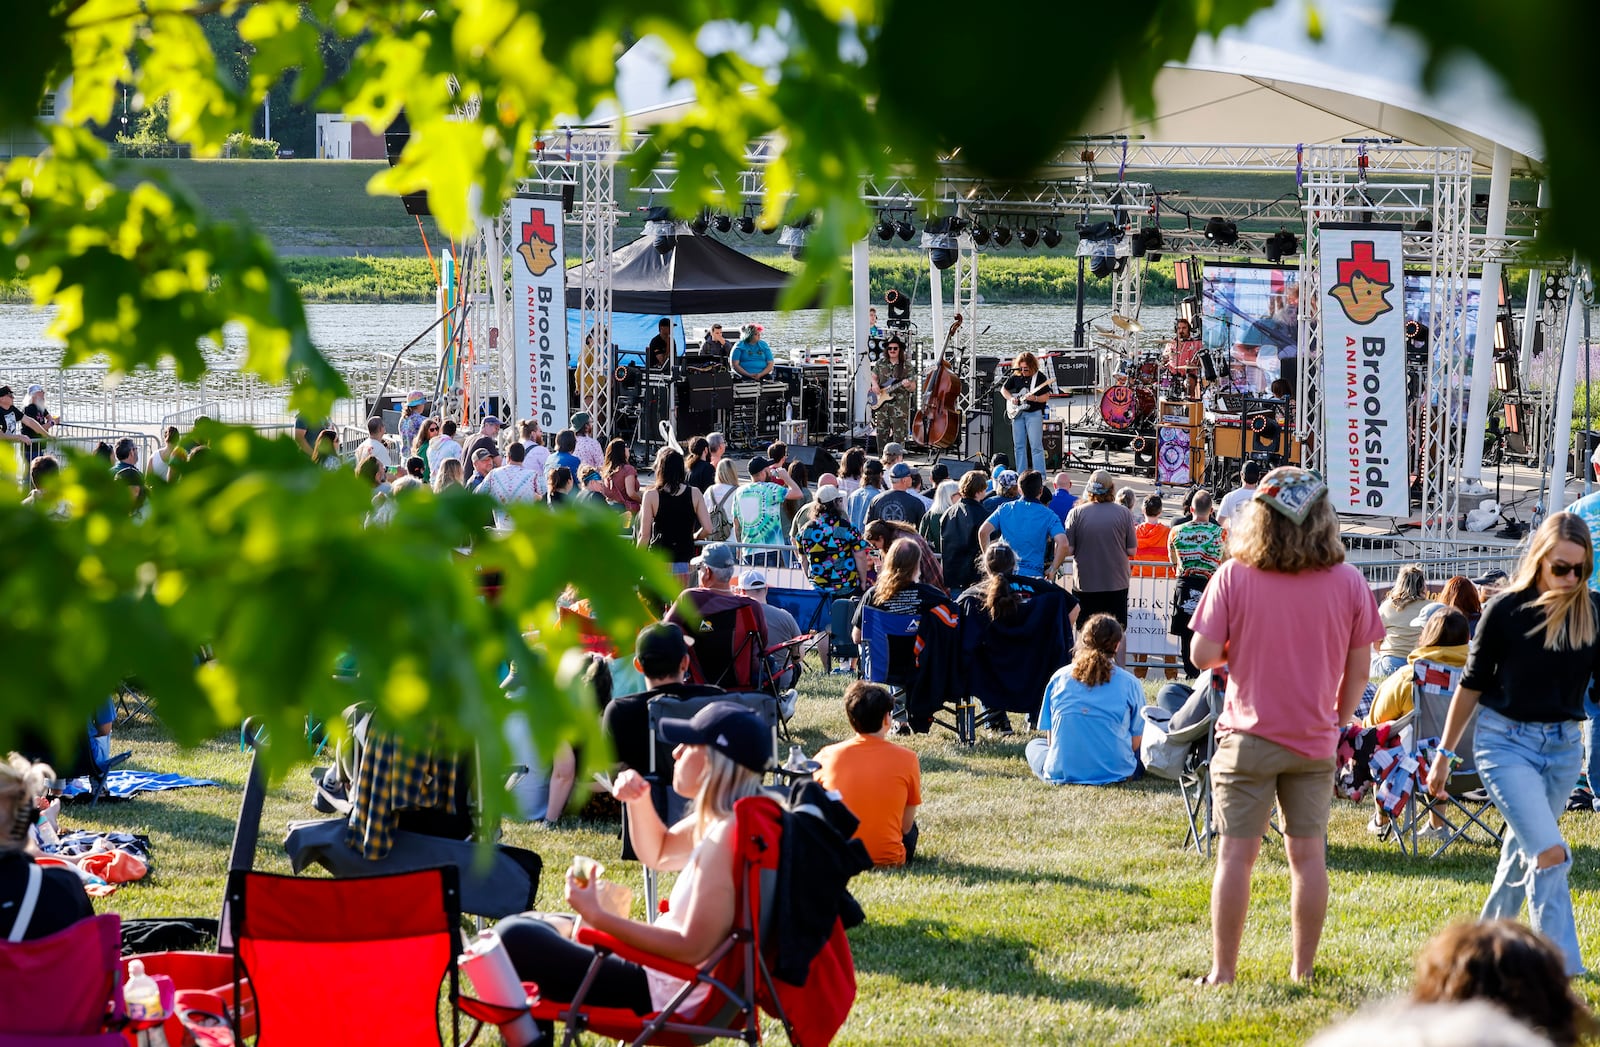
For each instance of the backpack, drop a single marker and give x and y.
(721, 518)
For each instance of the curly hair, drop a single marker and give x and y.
(1095, 654)
(1509, 965)
(1270, 541)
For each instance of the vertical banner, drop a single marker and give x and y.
(1363, 369)
(538, 304)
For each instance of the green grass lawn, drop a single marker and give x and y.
(1033, 914)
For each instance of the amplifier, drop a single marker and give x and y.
(707, 390)
(1074, 370)
(1180, 412)
(1053, 440)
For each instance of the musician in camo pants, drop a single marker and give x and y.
(892, 381)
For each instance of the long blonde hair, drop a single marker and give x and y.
(1569, 621)
(21, 780)
(725, 784)
(1408, 587)
(1266, 539)
(899, 570)
(726, 473)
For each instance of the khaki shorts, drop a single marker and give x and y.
(1249, 773)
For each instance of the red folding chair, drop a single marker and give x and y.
(353, 961)
(62, 991)
(737, 973)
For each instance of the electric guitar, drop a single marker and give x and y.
(1015, 405)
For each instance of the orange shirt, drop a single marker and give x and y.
(877, 780)
(1152, 545)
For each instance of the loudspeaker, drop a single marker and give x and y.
(816, 459)
(1073, 371)
(569, 191)
(983, 376)
(1000, 429)
(1052, 445)
(958, 467)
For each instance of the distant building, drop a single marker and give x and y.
(341, 138)
(30, 141)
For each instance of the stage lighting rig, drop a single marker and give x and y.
(941, 239)
(1222, 232)
(1051, 235)
(1281, 244)
(722, 222)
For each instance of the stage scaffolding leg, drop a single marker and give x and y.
(965, 346)
(860, 300)
(1488, 316)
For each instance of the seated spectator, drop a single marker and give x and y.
(723, 751)
(879, 781)
(1406, 598)
(898, 590)
(1092, 714)
(661, 654)
(1461, 594)
(719, 620)
(61, 900)
(781, 626)
(1509, 965)
(881, 534)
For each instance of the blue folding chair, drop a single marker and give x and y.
(889, 652)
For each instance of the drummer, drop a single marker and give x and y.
(1180, 357)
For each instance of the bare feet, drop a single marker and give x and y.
(1213, 979)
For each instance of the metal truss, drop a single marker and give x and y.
(965, 344)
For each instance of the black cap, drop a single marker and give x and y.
(727, 727)
(661, 642)
(758, 463)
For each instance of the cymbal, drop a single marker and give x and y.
(1124, 323)
(1109, 332)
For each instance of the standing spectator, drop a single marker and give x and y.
(791, 509)
(752, 357)
(702, 472)
(758, 509)
(11, 428)
(326, 451)
(1091, 714)
(560, 485)
(170, 451)
(450, 474)
(411, 421)
(1249, 476)
(1005, 490)
(425, 437)
(586, 447)
(938, 475)
(835, 552)
(488, 436)
(1530, 666)
(1125, 499)
(778, 453)
(443, 448)
(37, 421)
(855, 459)
(592, 488)
(720, 508)
(959, 547)
(1406, 597)
(417, 468)
(511, 484)
(1287, 578)
(1030, 528)
(304, 428)
(622, 479)
(1101, 541)
(1151, 537)
(880, 782)
(374, 447)
(808, 512)
(42, 475)
(898, 504)
(1195, 551)
(535, 455)
(861, 498)
(671, 512)
(892, 452)
(1062, 501)
(1186, 509)
(484, 461)
(566, 448)
(127, 471)
(931, 526)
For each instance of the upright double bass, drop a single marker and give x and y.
(938, 423)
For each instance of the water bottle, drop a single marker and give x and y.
(488, 968)
(797, 761)
(141, 995)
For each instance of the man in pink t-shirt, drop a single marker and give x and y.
(1295, 626)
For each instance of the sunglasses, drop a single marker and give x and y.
(1561, 570)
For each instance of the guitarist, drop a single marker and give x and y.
(1026, 392)
(894, 389)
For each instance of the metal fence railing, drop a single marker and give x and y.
(1442, 559)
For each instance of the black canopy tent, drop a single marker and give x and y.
(699, 275)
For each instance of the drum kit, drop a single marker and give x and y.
(1130, 402)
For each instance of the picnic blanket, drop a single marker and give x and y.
(123, 784)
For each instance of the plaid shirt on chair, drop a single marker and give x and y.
(394, 777)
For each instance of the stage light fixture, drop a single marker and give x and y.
(980, 234)
(1051, 235)
(1505, 333)
(1102, 265)
(1028, 235)
(1222, 232)
(1505, 373)
(904, 230)
(1099, 232)
(700, 224)
(722, 222)
(1281, 244)
(663, 228)
(1002, 233)
(941, 239)
(1148, 241)
(899, 306)
(885, 228)
(747, 220)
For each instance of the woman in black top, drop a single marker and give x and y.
(59, 900)
(672, 512)
(1535, 652)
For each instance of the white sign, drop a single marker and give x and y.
(1363, 368)
(1150, 614)
(539, 310)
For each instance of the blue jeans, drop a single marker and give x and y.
(1027, 439)
(1383, 665)
(1591, 739)
(1036, 752)
(1528, 770)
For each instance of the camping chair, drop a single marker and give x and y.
(782, 660)
(62, 991)
(133, 705)
(1194, 778)
(841, 641)
(85, 762)
(669, 804)
(737, 972)
(1466, 805)
(727, 648)
(346, 961)
(889, 653)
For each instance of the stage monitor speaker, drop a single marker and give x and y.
(1000, 429)
(983, 376)
(1073, 370)
(959, 467)
(816, 459)
(694, 423)
(1053, 440)
(383, 404)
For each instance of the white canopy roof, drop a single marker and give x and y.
(1265, 81)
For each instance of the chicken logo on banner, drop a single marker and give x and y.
(1363, 284)
(538, 244)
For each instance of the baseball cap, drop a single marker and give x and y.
(1429, 609)
(893, 449)
(661, 641)
(899, 471)
(1101, 482)
(1495, 577)
(580, 420)
(759, 463)
(416, 398)
(727, 727)
(34, 390)
(874, 466)
(828, 493)
(752, 580)
(1006, 478)
(482, 454)
(717, 554)
(493, 420)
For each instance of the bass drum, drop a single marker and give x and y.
(1123, 406)
(1147, 371)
